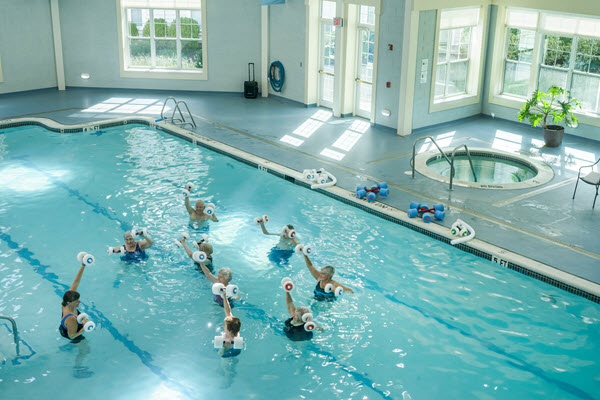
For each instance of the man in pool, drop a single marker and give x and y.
(202, 246)
(295, 327)
(132, 250)
(231, 330)
(324, 277)
(198, 213)
(283, 251)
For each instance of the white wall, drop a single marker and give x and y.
(90, 40)
(287, 26)
(26, 46)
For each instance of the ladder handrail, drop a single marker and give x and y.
(177, 121)
(452, 163)
(189, 113)
(165, 104)
(15, 332)
(414, 147)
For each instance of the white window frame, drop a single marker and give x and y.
(1, 79)
(496, 95)
(474, 71)
(127, 71)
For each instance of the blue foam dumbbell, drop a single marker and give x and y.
(414, 204)
(371, 197)
(439, 215)
(427, 217)
(361, 193)
(439, 207)
(383, 185)
(412, 212)
(384, 192)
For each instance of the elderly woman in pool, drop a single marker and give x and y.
(224, 276)
(324, 277)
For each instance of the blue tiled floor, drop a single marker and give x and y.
(545, 225)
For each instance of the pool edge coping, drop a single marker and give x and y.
(506, 258)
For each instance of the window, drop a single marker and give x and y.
(544, 49)
(517, 66)
(163, 36)
(457, 58)
(1, 80)
(453, 62)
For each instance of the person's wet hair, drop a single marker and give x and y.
(233, 325)
(69, 297)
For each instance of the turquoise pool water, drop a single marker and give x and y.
(488, 169)
(427, 321)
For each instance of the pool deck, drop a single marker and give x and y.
(542, 223)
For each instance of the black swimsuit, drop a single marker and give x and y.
(296, 332)
(65, 333)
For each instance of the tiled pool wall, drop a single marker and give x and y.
(365, 207)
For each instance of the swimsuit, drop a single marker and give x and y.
(64, 331)
(296, 332)
(231, 352)
(219, 301)
(321, 295)
(136, 255)
(279, 256)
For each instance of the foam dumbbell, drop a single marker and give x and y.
(305, 249)
(218, 289)
(209, 209)
(142, 232)
(89, 325)
(188, 189)
(287, 284)
(85, 258)
(199, 256)
(231, 290)
(322, 178)
(183, 235)
(371, 197)
(263, 219)
(309, 325)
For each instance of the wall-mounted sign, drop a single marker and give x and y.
(338, 22)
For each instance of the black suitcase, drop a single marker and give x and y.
(250, 86)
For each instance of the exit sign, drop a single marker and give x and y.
(338, 22)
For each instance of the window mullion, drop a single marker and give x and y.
(152, 43)
(178, 38)
(572, 62)
(536, 60)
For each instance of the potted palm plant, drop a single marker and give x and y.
(558, 104)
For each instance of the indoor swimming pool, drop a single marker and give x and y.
(426, 320)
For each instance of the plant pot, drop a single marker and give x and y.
(553, 135)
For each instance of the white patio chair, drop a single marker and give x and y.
(592, 178)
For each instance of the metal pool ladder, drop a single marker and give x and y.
(14, 330)
(445, 156)
(177, 121)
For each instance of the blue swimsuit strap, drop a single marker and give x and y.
(64, 318)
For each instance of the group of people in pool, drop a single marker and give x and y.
(294, 327)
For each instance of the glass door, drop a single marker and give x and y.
(365, 55)
(327, 54)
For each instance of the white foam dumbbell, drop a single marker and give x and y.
(89, 326)
(85, 258)
(142, 232)
(287, 284)
(113, 250)
(263, 219)
(306, 249)
(218, 289)
(238, 342)
(328, 288)
(309, 325)
(339, 291)
(199, 256)
(183, 235)
(210, 209)
(231, 290)
(188, 189)
(287, 232)
(322, 178)
(203, 239)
